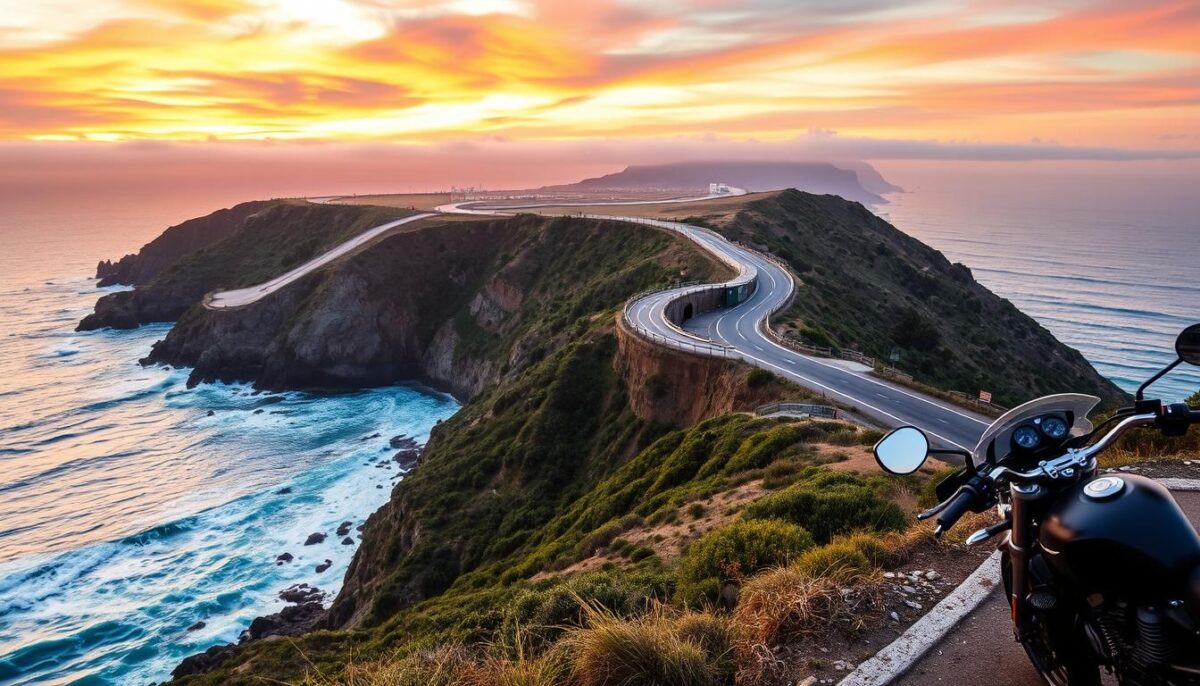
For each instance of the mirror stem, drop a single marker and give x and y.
(1141, 389)
(950, 451)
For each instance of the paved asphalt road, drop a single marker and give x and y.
(245, 296)
(732, 332)
(981, 650)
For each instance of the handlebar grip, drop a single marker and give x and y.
(959, 505)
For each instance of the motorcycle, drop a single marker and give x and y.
(1100, 570)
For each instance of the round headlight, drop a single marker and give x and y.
(1055, 428)
(1026, 437)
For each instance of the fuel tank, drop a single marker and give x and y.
(1121, 533)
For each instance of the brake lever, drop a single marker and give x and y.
(984, 534)
(933, 511)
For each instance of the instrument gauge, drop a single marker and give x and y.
(1026, 437)
(1055, 428)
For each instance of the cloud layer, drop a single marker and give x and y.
(986, 78)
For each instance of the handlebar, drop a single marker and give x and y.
(959, 504)
(1170, 418)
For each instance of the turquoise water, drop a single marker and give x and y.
(128, 512)
(132, 507)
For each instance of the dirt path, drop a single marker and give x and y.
(981, 650)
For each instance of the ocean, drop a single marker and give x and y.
(1105, 256)
(132, 508)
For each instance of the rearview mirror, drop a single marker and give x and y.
(1187, 346)
(902, 451)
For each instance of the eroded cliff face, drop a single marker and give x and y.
(456, 303)
(681, 389)
(377, 317)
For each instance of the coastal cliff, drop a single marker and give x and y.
(459, 304)
(175, 243)
(232, 248)
(572, 430)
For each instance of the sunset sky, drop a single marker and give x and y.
(1109, 79)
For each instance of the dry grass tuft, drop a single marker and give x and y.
(788, 604)
(443, 666)
(652, 650)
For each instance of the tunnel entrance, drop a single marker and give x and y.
(688, 312)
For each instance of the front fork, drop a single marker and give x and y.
(1021, 542)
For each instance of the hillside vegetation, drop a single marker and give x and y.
(869, 287)
(554, 532)
(241, 246)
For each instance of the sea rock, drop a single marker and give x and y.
(314, 538)
(197, 626)
(284, 491)
(210, 413)
(324, 565)
(290, 621)
(203, 662)
(344, 528)
(407, 459)
(285, 557)
(347, 541)
(403, 442)
(301, 593)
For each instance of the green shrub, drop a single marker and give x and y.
(696, 510)
(838, 560)
(543, 613)
(827, 504)
(779, 473)
(926, 498)
(757, 378)
(870, 545)
(640, 553)
(735, 551)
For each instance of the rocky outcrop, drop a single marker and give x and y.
(174, 243)
(228, 249)
(379, 316)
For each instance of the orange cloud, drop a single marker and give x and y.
(544, 69)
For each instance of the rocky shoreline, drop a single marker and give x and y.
(306, 609)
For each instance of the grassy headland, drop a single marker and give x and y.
(554, 527)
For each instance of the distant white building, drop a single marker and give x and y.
(717, 189)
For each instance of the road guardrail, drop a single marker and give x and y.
(825, 411)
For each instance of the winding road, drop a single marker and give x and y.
(735, 332)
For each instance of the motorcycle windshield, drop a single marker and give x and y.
(1078, 404)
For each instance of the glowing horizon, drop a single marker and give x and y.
(1118, 73)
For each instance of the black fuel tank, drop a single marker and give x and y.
(1107, 536)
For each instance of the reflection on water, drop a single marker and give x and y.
(1108, 262)
(132, 507)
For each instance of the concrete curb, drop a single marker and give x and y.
(900, 655)
(1180, 484)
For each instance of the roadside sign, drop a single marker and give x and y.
(985, 396)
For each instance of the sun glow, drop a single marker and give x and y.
(537, 69)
